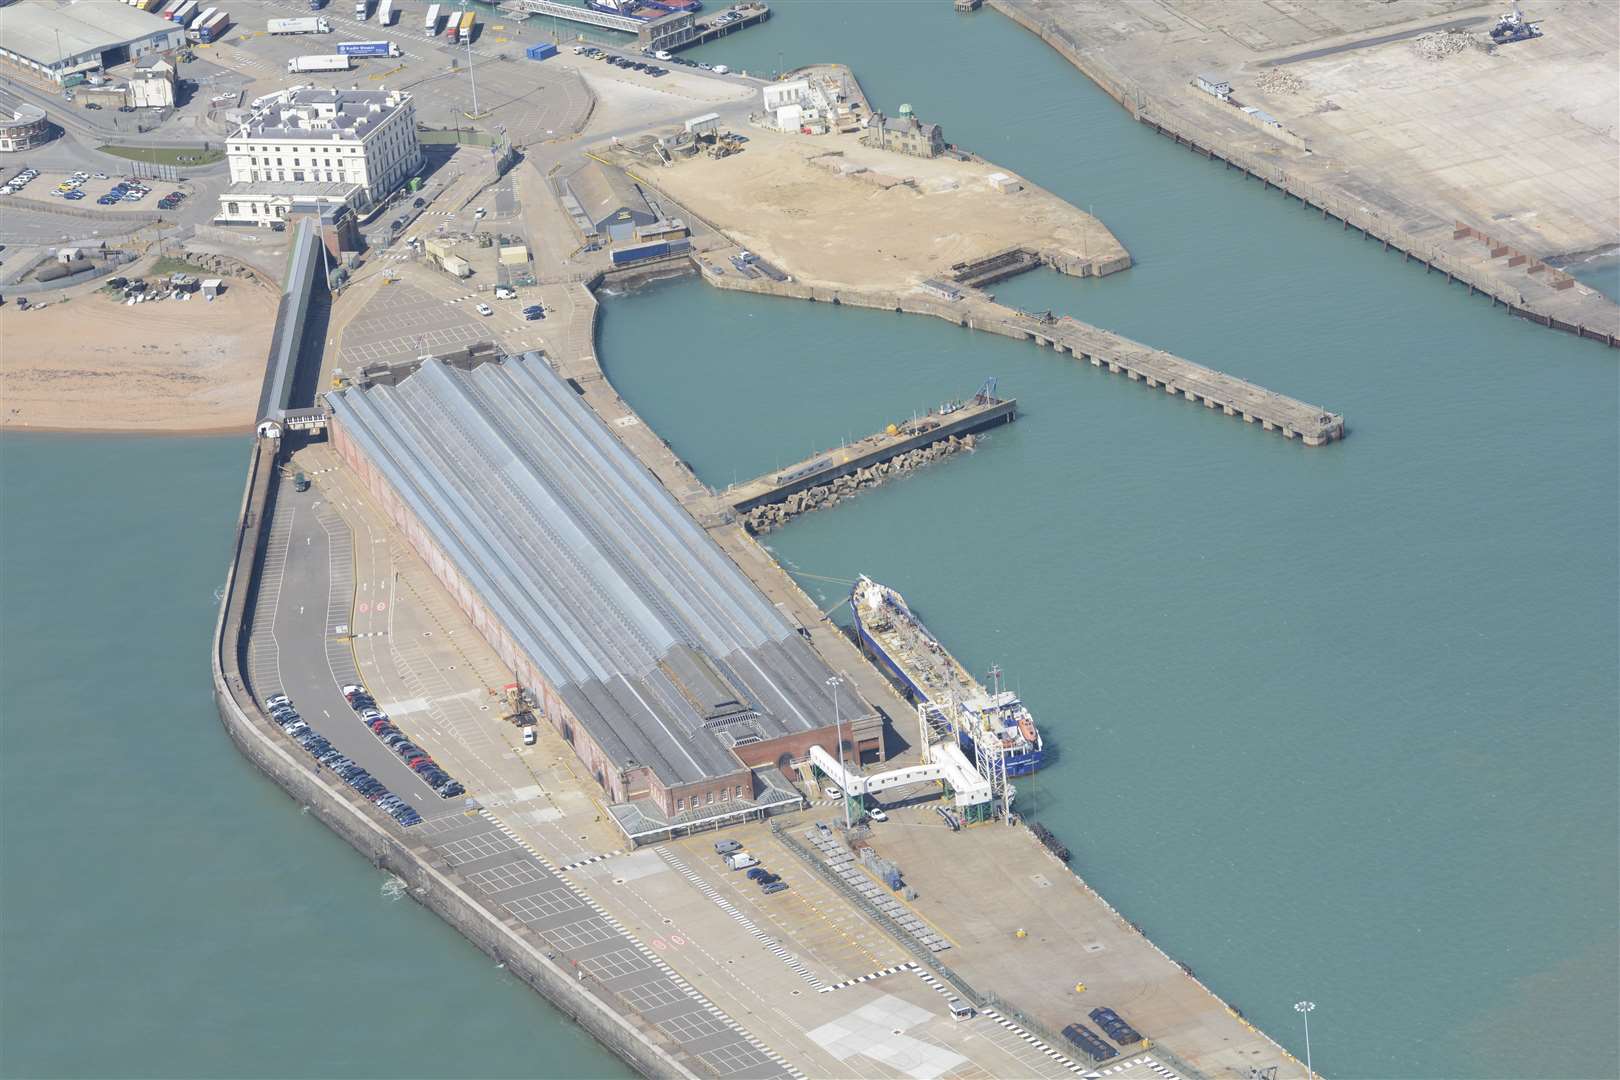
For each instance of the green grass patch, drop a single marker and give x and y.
(166, 155)
(170, 265)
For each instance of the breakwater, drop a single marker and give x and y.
(1155, 368)
(429, 881)
(764, 517)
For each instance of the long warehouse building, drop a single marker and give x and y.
(679, 685)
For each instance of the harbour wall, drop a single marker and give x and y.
(1102, 349)
(436, 888)
(1309, 195)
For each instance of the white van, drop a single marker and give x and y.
(505, 292)
(662, 55)
(528, 735)
(740, 860)
(721, 69)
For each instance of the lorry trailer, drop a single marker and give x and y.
(184, 12)
(212, 27)
(368, 48)
(464, 34)
(326, 62)
(432, 23)
(314, 24)
(198, 17)
(385, 13)
(170, 8)
(452, 28)
(362, 8)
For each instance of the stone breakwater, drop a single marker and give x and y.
(762, 519)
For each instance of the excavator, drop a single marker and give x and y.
(1512, 27)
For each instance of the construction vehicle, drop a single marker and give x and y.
(1512, 27)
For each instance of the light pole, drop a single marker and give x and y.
(833, 683)
(470, 78)
(1304, 1009)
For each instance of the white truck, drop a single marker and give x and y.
(299, 65)
(385, 13)
(362, 8)
(315, 24)
(432, 23)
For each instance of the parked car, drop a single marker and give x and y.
(774, 887)
(726, 847)
(485, 309)
(876, 813)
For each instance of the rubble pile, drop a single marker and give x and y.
(1279, 81)
(762, 519)
(1440, 44)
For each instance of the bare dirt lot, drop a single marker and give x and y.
(900, 220)
(93, 364)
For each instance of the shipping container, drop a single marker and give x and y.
(622, 256)
(540, 51)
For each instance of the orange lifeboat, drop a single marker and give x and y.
(1026, 728)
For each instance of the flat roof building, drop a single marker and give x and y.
(58, 41)
(311, 144)
(680, 686)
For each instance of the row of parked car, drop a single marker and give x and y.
(424, 766)
(20, 181)
(736, 858)
(370, 788)
(1093, 1045)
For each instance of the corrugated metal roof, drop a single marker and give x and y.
(604, 192)
(49, 34)
(659, 644)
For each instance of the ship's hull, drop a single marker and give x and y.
(1018, 764)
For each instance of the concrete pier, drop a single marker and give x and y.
(1311, 424)
(978, 413)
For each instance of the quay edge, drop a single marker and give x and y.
(440, 891)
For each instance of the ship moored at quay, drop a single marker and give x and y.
(991, 724)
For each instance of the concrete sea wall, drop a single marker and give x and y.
(1311, 195)
(430, 883)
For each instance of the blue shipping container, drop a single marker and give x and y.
(540, 51)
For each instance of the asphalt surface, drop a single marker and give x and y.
(1367, 43)
(299, 644)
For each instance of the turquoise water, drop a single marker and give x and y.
(1338, 723)
(168, 912)
(1335, 723)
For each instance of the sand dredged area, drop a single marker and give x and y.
(832, 212)
(93, 364)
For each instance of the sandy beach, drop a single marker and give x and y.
(95, 364)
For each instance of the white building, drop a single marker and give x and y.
(780, 94)
(152, 84)
(57, 41)
(1214, 85)
(318, 145)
